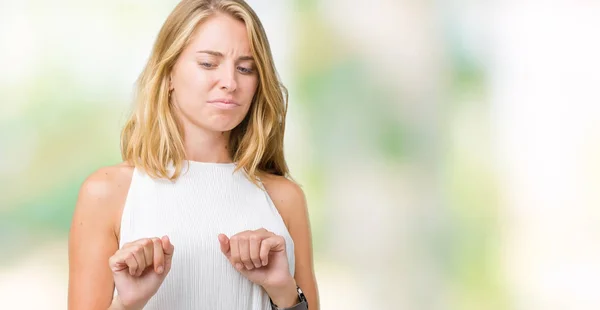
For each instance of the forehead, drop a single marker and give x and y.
(222, 33)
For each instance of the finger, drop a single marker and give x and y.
(225, 246)
(263, 233)
(235, 253)
(254, 243)
(148, 248)
(132, 263)
(123, 259)
(134, 243)
(117, 262)
(168, 250)
(276, 243)
(168, 247)
(136, 246)
(244, 245)
(265, 248)
(263, 251)
(138, 252)
(159, 256)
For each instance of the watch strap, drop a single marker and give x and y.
(302, 305)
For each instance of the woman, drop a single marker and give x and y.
(201, 213)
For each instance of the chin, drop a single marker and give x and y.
(222, 127)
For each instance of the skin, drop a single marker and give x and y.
(215, 66)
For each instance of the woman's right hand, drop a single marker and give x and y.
(139, 269)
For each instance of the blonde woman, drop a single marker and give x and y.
(202, 213)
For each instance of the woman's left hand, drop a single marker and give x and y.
(258, 255)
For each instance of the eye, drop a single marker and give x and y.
(206, 65)
(245, 70)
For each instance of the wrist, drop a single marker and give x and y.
(284, 295)
(117, 304)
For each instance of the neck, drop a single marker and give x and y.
(205, 146)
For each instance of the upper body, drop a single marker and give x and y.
(96, 233)
(209, 94)
(208, 199)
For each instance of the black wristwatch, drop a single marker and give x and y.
(302, 305)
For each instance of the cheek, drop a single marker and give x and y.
(249, 87)
(193, 80)
(193, 90)
(200, 81)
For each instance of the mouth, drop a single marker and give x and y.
(223, 103)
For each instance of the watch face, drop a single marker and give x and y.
(301, 294)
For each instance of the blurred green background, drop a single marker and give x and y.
(448, 149)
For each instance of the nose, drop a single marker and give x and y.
(227, 80)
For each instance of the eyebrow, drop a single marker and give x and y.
(219, 54)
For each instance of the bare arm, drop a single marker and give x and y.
(93, 238)
(291, 204)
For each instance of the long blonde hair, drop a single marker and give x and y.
(152, 138)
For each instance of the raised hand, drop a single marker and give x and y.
(139, 268)
(259, 255)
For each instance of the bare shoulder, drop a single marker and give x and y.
(103, 193)
(106, 182)
(287, 196)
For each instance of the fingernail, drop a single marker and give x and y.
(264, 263)
(160, 269)
(238, 266)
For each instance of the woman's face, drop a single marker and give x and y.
(214, 79)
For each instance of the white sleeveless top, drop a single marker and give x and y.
(206, 200)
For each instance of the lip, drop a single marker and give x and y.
(224, 103)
